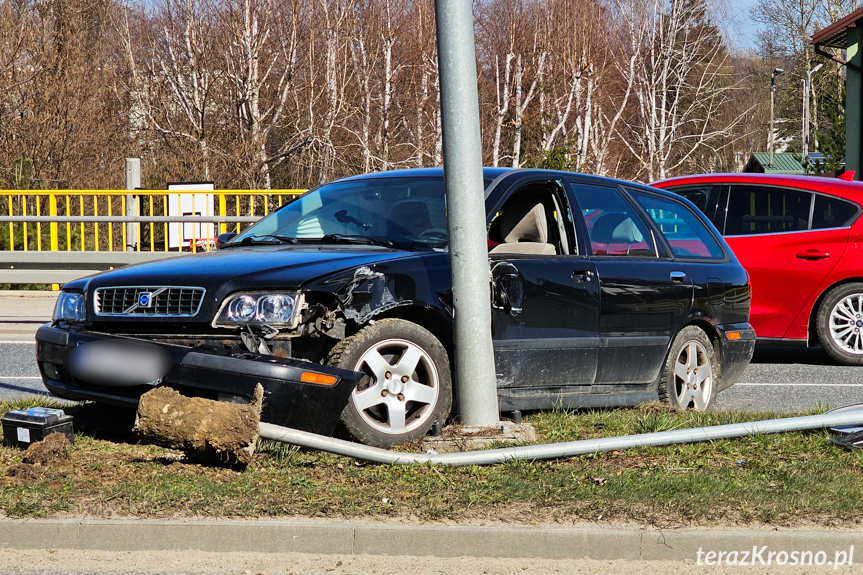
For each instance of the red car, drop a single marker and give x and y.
(801, 240)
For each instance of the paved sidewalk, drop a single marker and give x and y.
(22, 312)
(357, 538)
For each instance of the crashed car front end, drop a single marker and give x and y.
(222, 361)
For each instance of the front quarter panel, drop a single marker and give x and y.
(368, 291)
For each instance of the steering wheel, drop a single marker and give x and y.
(434, 234)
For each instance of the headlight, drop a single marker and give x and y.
(274, 309)
(70, 307)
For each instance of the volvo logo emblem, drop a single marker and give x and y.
(145, 299)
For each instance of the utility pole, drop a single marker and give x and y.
(807, 87)
(133, 182)
(475, 379)
(776, 72)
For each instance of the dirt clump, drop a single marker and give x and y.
(207, 429)
(656, 407)
(53, 449)
(22, 473)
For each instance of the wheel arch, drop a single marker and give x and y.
(812, 323)
(428, 318)
(712, 334)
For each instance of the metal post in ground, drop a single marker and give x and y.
(475, 381)
(133, 182)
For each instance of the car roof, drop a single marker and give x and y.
(487, 173)
(834, 186)
(490, 173)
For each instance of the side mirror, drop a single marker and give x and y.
(224, 238)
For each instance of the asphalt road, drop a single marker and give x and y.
(781, 380)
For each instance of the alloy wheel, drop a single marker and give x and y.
(846, 323)
(693, 376)
(403, 390)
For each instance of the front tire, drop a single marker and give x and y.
(691, 371)
(409, 383)
(840, 323)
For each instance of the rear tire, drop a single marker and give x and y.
(409, 383)
(840, 323)
(691, 372)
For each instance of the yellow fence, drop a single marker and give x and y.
(97, 220)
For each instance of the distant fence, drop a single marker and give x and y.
(53, 236)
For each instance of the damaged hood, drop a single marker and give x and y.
(285, 267)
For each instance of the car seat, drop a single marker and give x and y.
(522, 228)
(617, 232)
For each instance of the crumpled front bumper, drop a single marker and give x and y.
(221, 374)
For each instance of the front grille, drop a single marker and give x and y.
(152, 301)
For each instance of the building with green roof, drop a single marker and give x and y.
(783, 163)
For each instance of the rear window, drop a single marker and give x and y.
(833, 213)
(686, 234)
(613, 224)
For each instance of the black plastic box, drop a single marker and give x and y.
(23, 427)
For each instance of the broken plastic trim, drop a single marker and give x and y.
(558, 450)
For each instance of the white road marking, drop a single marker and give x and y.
(3, 377)
(29, 341)
(860, 385)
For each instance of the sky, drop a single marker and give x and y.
(741, 30)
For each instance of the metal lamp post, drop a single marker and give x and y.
(807, 87)
(776, 72)
(476, 382)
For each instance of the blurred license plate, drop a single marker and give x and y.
(118, 363)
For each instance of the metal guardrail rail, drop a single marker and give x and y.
(61, 267)
(52, 236)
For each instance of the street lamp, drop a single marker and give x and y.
(776, 72)
(807, 87)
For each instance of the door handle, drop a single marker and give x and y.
(581, 276)
(813, 255)
(678, 276)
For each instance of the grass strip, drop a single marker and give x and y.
(784, 479)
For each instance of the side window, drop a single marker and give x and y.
(766, 210)
(698, 195)
(533, 220)
(686, 234)
(833, 213)
(613, 225)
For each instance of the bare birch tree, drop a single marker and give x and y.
(680, 85)
(260, 59)
(173, 90)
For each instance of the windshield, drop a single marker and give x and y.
(406, 212)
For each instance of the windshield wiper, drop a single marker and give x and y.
(358, 239)
(263, 240)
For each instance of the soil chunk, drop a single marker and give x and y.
(53, 449)
(212, 430)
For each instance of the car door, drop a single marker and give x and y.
(545, 312)
(644, 294)
(769, 229)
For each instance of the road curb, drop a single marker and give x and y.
(348, 538)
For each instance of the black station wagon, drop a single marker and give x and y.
(604, 293)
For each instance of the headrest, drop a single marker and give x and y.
(615, 228)
(518, 226)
